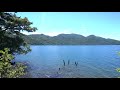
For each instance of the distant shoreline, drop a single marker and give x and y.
(73, 45)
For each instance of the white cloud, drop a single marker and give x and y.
(51, 33)
(28, 33)
(56, 33)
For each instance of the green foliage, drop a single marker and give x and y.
(7, 70)
(118, 69)
(11, 37)
(68, 39)
(119, 53)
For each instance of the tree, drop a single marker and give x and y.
(6, 69)
(118, 69)
(10, 32)
(12, 42)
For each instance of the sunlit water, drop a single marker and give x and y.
(94, 61)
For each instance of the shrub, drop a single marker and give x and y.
(7, 70)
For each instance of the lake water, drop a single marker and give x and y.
(94, 61)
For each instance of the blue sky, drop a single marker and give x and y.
(104, 24)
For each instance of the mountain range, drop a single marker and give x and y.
(68, 39)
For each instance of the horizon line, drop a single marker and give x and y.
(67, 33)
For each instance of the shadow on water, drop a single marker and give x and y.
(67, 70)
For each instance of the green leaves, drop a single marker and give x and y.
(10, 32)
(119, 53)
(118, 69)
(2, 52)
(5, 56)
(11, 42)
(6, 69)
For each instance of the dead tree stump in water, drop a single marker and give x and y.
(64, 62)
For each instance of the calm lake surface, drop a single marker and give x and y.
(94, 61)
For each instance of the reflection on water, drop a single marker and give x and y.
(94, 61)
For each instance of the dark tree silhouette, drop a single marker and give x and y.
(10, 32)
